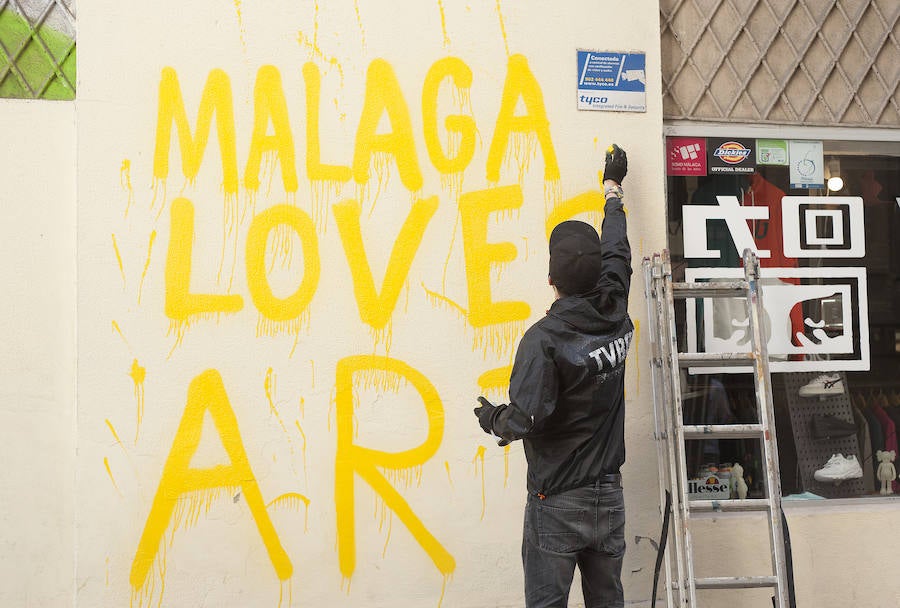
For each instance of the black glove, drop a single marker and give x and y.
(486, 413)
(616, 164)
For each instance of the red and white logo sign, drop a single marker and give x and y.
(685, 156)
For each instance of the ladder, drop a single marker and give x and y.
(671, 431)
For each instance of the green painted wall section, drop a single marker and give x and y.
(33, 61)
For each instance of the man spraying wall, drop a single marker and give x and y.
(567, 404)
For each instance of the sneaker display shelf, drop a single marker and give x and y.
(812, 453)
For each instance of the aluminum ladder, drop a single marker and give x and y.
(671, 432)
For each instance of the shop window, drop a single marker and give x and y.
(824, 218)
(37, 49)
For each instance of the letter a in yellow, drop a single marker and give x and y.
(206, 393)
(521, 84)
(383, 96)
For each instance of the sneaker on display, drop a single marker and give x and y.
(826, 384)
(835, 460)
(854, 470)
(839, 468)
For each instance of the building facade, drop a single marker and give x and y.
(811, 90)
(263, 264)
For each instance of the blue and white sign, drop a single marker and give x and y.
(612, 81)
(807, 164)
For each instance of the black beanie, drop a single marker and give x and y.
(575, 259)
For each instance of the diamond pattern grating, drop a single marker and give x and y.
(808, 62)
(37, 49)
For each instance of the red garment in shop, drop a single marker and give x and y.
(890, 435)
(769, 234)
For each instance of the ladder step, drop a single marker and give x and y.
(715, 359)
(723, 431)
(735, 582)
(660, 291)
(715, 289)
(748, 504)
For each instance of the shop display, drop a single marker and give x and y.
(839, 468)
(830, 259)
(711, 482)
(739, 486)
(886, 471)
(830, 427)
(826, 384)
(718, 482)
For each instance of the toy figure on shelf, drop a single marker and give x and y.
(738, 485)
(886, 471)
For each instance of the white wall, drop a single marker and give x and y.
(281, 380)
(37, 359)
(839, 552)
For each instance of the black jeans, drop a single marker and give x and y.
(583, 527)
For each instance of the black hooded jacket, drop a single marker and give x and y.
(567, 388)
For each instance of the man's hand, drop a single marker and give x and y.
(486, 412)
(616, 164)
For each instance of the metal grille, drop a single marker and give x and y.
(37, 49)
(808, 62)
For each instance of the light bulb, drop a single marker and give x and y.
(835, 183)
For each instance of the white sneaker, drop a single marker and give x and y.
(835, 460)
(839, 468)
(826, 384)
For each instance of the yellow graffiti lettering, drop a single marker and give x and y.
(463, 127)
(205, 394)
(590, 202)
(376, 308)
(479, 460)
(355, 459)
(109, 473)
(216, 98)
(293, 501)
(118, 258)
(442, 301)
(270, 106)
(315, 169)
(475, 207)
(146, 264)
(506, 465)
(384, 131)
(181, 304)
(503, 28)
(270, 306)
(118, 330)
(382, 96)
(496, 379)
(125, 180)
(447, 468)
(521, 84)
(138, 374)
